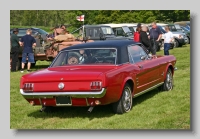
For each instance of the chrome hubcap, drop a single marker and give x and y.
(127, 99)
(169, 81)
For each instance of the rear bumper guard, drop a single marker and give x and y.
(92, 94)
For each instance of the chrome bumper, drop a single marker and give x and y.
(93, 94)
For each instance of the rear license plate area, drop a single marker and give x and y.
(63, 100)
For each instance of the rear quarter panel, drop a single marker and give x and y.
(115, 81)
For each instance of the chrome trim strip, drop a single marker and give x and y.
(98, 94)
(147, 90)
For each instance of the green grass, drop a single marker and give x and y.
(153, 110)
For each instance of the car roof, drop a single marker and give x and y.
(162, 24)
(115, 25)
(103, 44)
(95, 26)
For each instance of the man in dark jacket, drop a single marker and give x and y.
(155, 35)
(15, 44)
(144, 38)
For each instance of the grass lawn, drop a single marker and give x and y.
(153, 110)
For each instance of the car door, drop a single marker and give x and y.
(148, 70)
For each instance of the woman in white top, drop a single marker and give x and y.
(168, 37)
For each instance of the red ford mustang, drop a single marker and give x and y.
(98, 73)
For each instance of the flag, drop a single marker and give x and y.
(80, 18)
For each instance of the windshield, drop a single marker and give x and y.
(131, 29)
(172, 28)
(177, 26)
(107, 30)
(42, 32)
(86, 56)
(185, 29)
(126, 29)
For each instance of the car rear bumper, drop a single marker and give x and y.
(92, 94)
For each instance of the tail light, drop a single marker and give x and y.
(28, 87)
(96, 85)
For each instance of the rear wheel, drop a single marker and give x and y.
(124, 104)
(168, 83)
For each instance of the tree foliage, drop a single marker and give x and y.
(68, 17)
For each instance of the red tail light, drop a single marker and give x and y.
(28, 87)
(97, 85)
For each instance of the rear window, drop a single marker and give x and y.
(86, 56)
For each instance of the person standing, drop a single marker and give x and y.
(28, 42)
(155, 35)
(144, 38)
(137, 33)
(15, 44)
(168, 37)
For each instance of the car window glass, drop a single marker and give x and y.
(42, 32)
(86, 56)
(118, 31)
(21, 33)
(96, 32)
(173, 28)
(107, 30)
(136, 53)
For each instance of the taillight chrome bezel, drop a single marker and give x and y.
(96, 85)
(28, 87)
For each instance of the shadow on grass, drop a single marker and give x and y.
(145, 96)
(75, 112)
(82, 112)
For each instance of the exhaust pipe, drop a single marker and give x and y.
(42, 109)
(90, 109)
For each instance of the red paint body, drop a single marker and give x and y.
(77, 78)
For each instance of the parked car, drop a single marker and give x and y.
(98, 73)
(121, 30)
(184, 24)
(22, 32)
(186, 31)
(98, 33)
(179, 37)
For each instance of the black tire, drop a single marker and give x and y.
(168, 83)
(124, 104)
(176, 43)
(172, 46)
(188, 40)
